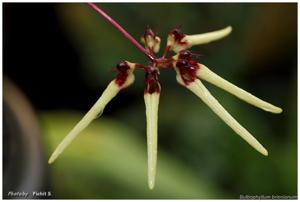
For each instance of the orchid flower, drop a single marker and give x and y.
(189, 74)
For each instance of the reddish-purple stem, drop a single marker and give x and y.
(122, 30)
(167, 49)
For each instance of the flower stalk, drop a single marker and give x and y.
(120, 29)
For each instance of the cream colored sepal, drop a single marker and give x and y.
(97, 109)
(151, 102)
(206, 74)
(200, 90)
(198, 39)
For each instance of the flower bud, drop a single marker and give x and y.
(151, 41)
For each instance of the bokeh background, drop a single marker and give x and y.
(58, 58)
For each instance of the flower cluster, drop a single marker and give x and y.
(188, 74)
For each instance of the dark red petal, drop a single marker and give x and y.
(122, 69)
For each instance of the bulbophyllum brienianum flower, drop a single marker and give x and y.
(189, 74)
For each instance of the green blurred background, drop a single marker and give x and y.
(62, 56)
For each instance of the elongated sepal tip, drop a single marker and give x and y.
(273, 109)
(60, 148)
(258, 147)
(151, 183)
(198, 39)
(227, 30)
(265, 152)
(55, 154)
(52, 159)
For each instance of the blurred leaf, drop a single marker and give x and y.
(109, 161)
